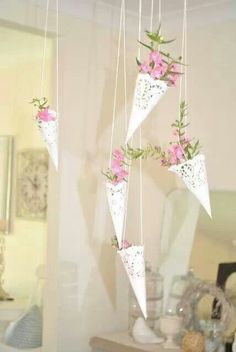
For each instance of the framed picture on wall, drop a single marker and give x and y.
(6, 158)
(32, 184)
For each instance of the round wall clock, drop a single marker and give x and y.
(32, 184)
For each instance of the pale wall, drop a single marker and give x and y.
(20, 67)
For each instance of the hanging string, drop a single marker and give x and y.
(184, 58)
(127, 167)
(183, 55)
(151, 21)
(124, 63)
(57, 57)
(44, 50)
(116, 83)
(185, 51)
(140, 134)
(159, 12)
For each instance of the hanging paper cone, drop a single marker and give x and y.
(49, 132)
(116, 195)
(193, 173)
(148, 92)
(134, 263)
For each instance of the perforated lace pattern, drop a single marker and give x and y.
(133, 260)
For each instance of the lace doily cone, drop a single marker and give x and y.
(49, 132)
(116, 195)
(193, 173)
(134, 263)
(148, 92)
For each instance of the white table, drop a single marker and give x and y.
(122, 342)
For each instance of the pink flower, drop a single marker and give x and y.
(176, 133)
(114, 182)
(162, 68)
(118, 155)
(185, 140)
(47, 115)
(176, 154)
(121, 175)
(173, 79)
(155, 56)
(174, 68)
(155, 73)
(116, 166)
(125, 244)
(145, 68)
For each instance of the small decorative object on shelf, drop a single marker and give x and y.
(234, 343)
(142, 333)
(47, 122)
(193, 341)
(213, 331)
(192, 297)
(170, 326)
(179, 284)
(158, 72)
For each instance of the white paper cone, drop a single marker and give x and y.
(148, 92)
(134, 263)
(193, 172)
(116, 195)
(49, 132)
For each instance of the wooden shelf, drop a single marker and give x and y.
(122, 342)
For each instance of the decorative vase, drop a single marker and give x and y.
(170, 326)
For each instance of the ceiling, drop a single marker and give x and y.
(166, 5)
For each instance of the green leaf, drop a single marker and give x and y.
(146, 46)
(168, 41)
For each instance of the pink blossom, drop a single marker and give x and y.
(176, 133)
(114, 182)
(173, 79)
(155, 56)
(145, 68)
(162, 68)
(185, 140)
(118, 155)
(125, 244)
(174, 68)
(121, 175)
(116, 166)
(155, 73)
(46, 115)
(176, 154)
(174, 75)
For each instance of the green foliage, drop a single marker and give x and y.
(40, 103)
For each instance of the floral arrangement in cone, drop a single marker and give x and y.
(44, 112)
(159, 65)
(117, 172)
(124, 244)
(178, 151)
